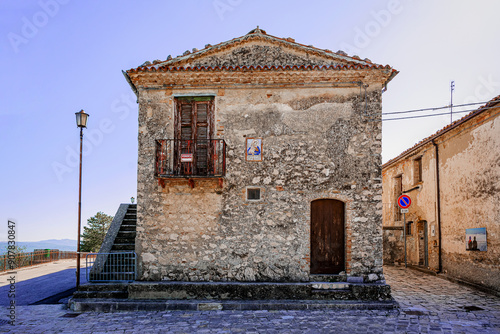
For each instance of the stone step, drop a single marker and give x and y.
(124, 240)
(103, 287)
(113, 305)
(332, 295)
(101, 294)
(328, 278)
(258, 290)
(330, 286)
(130, 234)
(127, 228)
(123, 247)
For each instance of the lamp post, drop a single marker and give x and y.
(81, 122)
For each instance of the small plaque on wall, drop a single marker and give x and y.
(475, 239)
(187, 157)
(253, 151)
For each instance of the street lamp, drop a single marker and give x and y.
(81, 122)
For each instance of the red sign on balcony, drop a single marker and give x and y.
(187, 157)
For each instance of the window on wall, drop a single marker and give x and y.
(253, 194)
(408, 227)
(417, 170)
(398, 191)
(193, 133)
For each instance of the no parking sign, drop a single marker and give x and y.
(404, 201)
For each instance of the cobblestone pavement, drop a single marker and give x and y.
(428, 304)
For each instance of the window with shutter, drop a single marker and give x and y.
(194, 129)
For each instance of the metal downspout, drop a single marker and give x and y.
(438, 202)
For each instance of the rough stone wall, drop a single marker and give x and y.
(321, 139)
(393, 244)
(469, 169)
(315, 145)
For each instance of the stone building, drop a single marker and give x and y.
(453, 180)
(259, 160)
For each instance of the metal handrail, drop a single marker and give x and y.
(190, 158)
(111, 267)
(27, 259)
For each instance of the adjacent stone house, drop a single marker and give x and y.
(453, 180)
(259, 160)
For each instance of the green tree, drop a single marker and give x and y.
(95, 231)
(13, 249)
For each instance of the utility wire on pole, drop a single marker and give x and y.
(452, 88)
(435, 108)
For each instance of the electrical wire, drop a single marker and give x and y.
(422, 116)
(432, 115)
(437, 108)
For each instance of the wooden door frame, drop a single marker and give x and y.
(425, 243)
(194, 101)
(346, 236)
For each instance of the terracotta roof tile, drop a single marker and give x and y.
(258, 33)
(255, 68)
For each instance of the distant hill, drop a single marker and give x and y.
(62, 244)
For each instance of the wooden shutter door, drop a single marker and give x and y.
(185, 136)
(202, 137)
(193, 132)
(327, 237)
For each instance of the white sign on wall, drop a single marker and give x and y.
(187, 157)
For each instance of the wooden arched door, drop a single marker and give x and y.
(327, 236)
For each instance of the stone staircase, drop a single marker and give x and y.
(125, 239)
(116, 260)
(171, 295)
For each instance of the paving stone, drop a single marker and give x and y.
(440, 303)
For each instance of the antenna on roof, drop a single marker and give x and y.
(452, 88)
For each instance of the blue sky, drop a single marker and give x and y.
(60, 56)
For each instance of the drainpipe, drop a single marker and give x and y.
(438, 202)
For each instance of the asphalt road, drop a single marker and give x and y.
(45, 283)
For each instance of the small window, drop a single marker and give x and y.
(417, 172)
(253, 194)
(408, 227)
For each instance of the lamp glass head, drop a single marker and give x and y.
(81, 119)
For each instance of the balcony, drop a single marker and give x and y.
(177, 158)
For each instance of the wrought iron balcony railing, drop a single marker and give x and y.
(190, 158)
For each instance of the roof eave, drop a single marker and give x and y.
(393, 74)
(134, 88)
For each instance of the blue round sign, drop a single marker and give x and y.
(404, 201)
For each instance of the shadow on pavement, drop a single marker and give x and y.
(43, 289)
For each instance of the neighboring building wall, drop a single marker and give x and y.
(422, 209)
(470, 187)
(469, 180)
